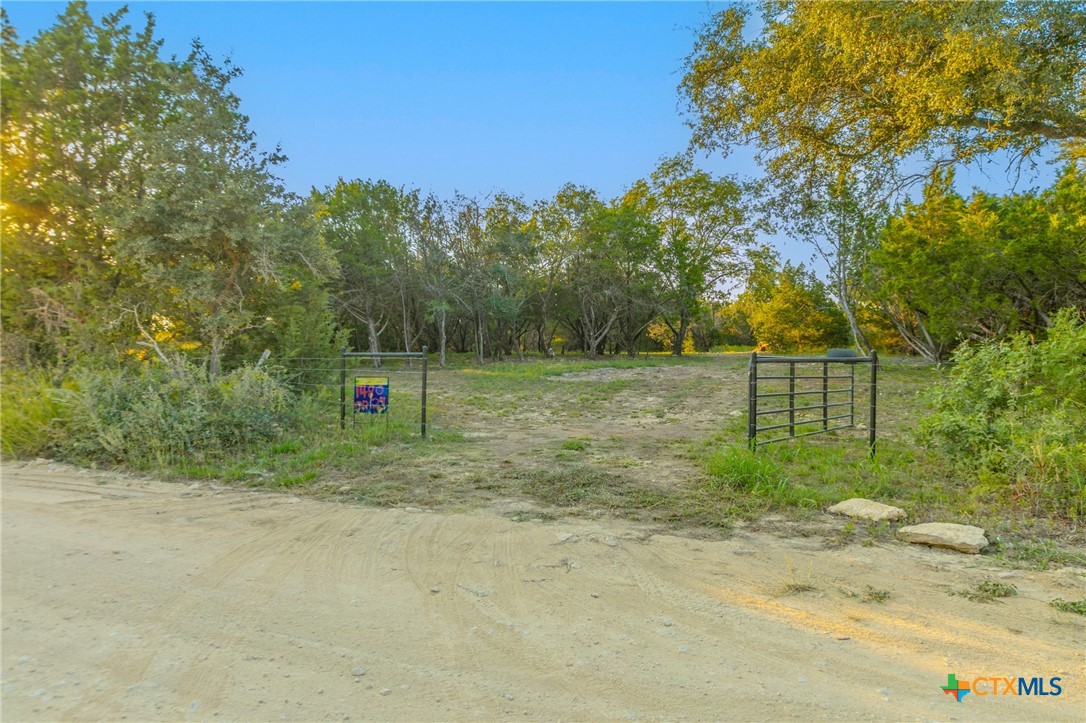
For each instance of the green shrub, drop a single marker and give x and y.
(31, 413)
(1013, 413)
(142, 414)
(137, 415)
(251, 406)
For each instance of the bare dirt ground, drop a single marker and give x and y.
(142, 600)
(638, 424)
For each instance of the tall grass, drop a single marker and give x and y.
(32, 412)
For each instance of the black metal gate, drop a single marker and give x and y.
(836, 392)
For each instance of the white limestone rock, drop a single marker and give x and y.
(868, 510)
(963, 538)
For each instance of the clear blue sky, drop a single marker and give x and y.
(470, 97)
(474, 97)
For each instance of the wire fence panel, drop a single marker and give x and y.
(368, 395)
(382, 388)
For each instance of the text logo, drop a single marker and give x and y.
(999, 685)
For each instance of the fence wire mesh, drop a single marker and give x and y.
(328, 383)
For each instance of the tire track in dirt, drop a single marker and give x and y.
(129, 599)
(262, 559)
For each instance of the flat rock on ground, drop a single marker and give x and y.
(963, 538)
(868, 510)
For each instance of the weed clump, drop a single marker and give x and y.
(874, 595)
(572, 486)
(988, 591)
(1078, 607)
(32, 413)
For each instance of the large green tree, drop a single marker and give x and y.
(788, 309)
(364, 224)
(137, 207)
(438, 282)
(611, 283)
(630, 242)
(826, 88)
(705, 224)
(563, 226)
(77, 103)
(509, 261)
(950, 268)
(212, 223)
(843, 226)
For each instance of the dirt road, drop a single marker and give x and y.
(144, 600)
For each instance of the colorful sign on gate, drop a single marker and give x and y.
(371, 395)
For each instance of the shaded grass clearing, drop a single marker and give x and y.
(504, 389)
(459, 465)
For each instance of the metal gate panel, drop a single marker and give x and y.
(831, 398)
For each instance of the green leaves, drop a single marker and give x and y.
(1013, 414)
(705, 223)
(953, 268)
(831, 88)
(77, 101)
(789, 309)
(133, 191)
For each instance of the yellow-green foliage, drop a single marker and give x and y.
(790, 310)
(662, 335)
(824, 89)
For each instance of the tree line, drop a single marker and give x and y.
(141, 219)
(848, 106)
(502, 276)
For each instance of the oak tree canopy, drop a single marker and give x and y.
(829, 88)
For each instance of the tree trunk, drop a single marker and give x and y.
(845, 297)
(858, 337)
(441, 326)
(595, 339)
(517, 339)
(479, 338)
(460, 336)
(548, 339)
(926, 347)
(406, 322)
(216, 355)
(375, 345)
(406, 325)
(680, 334)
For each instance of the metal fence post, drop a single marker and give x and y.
(825, 395)
(792, 399)
(424, 360)
(752, 402)
(873, 393)
(851, 395)
(343, 388)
